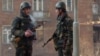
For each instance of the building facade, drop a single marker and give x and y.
(44, 10)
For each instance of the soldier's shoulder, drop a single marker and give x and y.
(17, 18)
(15, 21)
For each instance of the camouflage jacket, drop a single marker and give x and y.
(64, 30)
(20, 25)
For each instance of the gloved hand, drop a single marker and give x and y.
(28, 33)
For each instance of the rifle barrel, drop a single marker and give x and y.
(47, 42)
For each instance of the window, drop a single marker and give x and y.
(96, 38)
(38, 5)
(68, 4)
(7, 5)
(95, 8)
(5, 34)
(95, 11)
(96, 34)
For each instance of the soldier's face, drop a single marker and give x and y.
(27, 11)
(58, 11)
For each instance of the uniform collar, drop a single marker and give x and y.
(62, 16)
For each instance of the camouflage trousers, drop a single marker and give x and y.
(24, 50)
(68, 50)
(64, 50)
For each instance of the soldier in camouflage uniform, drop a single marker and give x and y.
(63, 36)
(23, 31)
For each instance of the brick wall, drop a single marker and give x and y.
(86, 30)
(85, 15)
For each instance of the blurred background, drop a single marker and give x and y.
(44, 11)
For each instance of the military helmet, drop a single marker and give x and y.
(25, 5)
(60, 5)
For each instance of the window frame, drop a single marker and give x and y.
(95, 8)
(7, 41)
(7, 6)
(70, 8)
(37, 5)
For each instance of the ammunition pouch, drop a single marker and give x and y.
(15, 41)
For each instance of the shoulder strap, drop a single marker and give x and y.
(20, 21)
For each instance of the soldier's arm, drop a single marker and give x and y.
(70, 27)
(16, 30)
(70, 31)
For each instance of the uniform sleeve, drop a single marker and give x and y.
(67, 28)
(59, 29)
(16, 30)
(70, 28)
